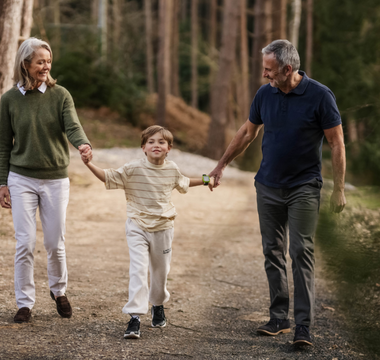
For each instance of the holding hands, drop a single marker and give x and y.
(86, 152)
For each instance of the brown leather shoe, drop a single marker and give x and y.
(23, 315)
(63, 306)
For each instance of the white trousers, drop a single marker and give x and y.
(151, 250)
(51, 197)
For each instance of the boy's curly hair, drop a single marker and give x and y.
(151, 130)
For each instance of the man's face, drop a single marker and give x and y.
(272, 71)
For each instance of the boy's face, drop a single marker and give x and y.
(156, 149)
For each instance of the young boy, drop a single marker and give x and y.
(148, 184)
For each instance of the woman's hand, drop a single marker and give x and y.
(85, 152)
(5, 198)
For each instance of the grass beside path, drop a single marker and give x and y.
(350, 244)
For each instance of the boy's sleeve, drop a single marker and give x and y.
(116, 179)
(183, 183)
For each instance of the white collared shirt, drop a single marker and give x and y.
(42, 88)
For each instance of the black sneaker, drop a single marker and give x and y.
(158, 316)
(302, 336)
(133, 330)
(275, 327)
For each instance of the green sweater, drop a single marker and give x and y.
(34, 129)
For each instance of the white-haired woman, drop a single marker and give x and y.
(36, 119)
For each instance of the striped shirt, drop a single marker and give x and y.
(148, 190)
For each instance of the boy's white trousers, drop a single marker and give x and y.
(51, 197)
(151, 250)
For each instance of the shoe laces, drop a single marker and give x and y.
(159, 312)
(302, 330)
(133, 320)
(275, 322)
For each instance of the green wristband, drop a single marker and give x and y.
(205, 179)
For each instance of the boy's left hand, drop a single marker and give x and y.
(86, 153)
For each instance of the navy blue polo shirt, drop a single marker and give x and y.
(293, 131)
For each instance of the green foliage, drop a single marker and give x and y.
(204, 65)
(119, 80)
(93, 84)
(346, 59)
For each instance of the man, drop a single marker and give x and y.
(296, 112)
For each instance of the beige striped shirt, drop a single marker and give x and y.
(148, 190)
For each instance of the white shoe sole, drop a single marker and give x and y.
(158, 326)
(131, 336)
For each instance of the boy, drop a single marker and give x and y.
(148, 184)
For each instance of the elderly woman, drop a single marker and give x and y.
(36, 119)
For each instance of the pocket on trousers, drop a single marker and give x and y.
(315, 183)
(12, 179)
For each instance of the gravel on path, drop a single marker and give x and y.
(218, 286)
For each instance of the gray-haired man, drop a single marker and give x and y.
(297, 112)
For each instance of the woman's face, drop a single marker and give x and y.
(40, 66)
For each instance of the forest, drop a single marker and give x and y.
(135, 56)
(196, 65)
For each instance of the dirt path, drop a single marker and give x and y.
(219, 292)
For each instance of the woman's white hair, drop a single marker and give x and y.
(24, 56)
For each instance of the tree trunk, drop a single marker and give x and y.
(257, 46)
(295, 22)
(116, 24)
(263, 32)
(103, 15)
(10, 25)
(212, 39)
(39, 20)
(194, 53)
(279, 19)
(183, 10)
(175, 43)
(165, 12)
(27, 19)
(95, 12)
(309, 38)
(268, 28)
(219, 95)
(56, 43)
(352, 134)
(243, 100)
(149, 45)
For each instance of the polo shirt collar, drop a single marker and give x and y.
(301, 87)
(42, 88)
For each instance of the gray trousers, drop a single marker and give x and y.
(295, 209)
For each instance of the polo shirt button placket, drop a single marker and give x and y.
(283, 105)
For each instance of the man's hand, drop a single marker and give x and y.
(337, 201)
(216, 175)
(5, 198)
(211, 183)
(86, 153)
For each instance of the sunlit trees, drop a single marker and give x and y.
(220, 89)
(15, 25)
